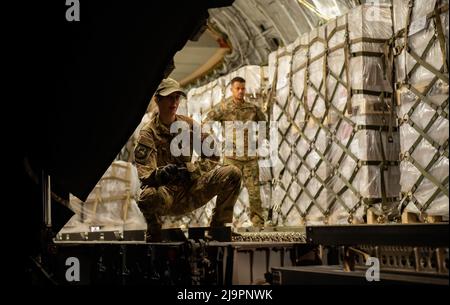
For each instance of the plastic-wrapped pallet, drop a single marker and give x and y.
(421, 39)
(112, 203)
(338, 139)
(200, 100)
(182, 107)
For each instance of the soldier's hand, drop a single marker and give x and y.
(166, 174)
(183, 174)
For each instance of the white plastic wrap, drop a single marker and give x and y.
(367, 73)
(420, 10)
(312, 180)
(422, 115)
(183, 108)
(112, 203)
(272, 67)
(316, 89)
(374, 22)
(422, 31)
(370, 20)
(371, 110)
(336, 91)
(283, 72)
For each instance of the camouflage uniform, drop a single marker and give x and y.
(228, 110)
(180, 197)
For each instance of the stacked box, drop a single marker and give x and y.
(338, 140)
(421, 40)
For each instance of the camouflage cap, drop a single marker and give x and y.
(168, 86)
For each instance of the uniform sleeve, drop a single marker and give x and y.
(215, 114)
(145, 156)
(260, 116)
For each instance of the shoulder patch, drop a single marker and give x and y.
(141, 152)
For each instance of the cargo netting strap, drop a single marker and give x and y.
(422, 97)
(290, 200)
(126, 196)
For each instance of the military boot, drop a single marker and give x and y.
(154, 233)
